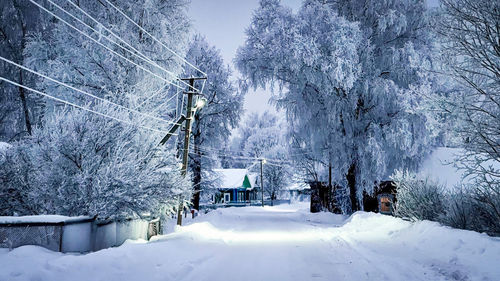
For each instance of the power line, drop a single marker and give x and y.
(78, 106)
(152, 96)
(220, 153)
(100, 44)
(154, 38)
(83, 92)
(136, 52)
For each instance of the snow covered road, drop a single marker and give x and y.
(276, 243)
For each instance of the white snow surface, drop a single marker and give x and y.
(276, 243)
(4, 146)
(40, 219)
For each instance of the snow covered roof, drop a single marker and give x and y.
(298, 186)
(439, 167)
(234, 178)
(253, 178)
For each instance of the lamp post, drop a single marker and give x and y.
(262, 162)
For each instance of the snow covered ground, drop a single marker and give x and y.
(276, 243)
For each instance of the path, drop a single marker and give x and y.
(276, 243)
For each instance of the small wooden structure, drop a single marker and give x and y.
(383, 199)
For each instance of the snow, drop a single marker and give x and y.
(41, 219)
(232, 178)
(4, 146)
(3, 150)
(298, 186)
(284, 242)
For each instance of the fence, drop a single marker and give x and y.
(76, 235)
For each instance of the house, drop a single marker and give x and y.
(236, 186)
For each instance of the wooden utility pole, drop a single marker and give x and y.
(190, 111)
(262, 161)
(185, 154)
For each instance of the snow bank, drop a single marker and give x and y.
(42, 219)
(453, 253)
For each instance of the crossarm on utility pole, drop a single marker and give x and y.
(173, 129)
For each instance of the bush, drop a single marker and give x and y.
(472, 207)
(418, 199)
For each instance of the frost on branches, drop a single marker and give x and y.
(349, 74)
(83, 164)
(80, 163)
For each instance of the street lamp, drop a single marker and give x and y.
(262, 162)
(200, 103)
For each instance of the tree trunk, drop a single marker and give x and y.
(351, 182)
(24, 105)
(196, 168)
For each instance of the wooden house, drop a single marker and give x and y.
(237, 187)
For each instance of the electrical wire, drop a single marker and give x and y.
(83, 92)
(79, 106)
(100, 44)
(154, 38)
(135, 52)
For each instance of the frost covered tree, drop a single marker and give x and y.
(471, 50)
(213, 123)
(349, 75)
(93, 61)
(77, 162)
(74, 165)
(263, 136)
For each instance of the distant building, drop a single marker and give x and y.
(237, 187)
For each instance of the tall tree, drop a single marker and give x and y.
(18, 109)
(349, 86)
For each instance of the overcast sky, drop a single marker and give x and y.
(223, 23)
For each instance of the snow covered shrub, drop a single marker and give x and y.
(473, 207)
(83, 164)
(486, 196)
(460, 208)
(418, 199)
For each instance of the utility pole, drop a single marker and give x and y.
(262, 162)
(190, 110)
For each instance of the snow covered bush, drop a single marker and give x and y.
(80, 163)
(460, 210)
(486, 198)
(418, 199)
